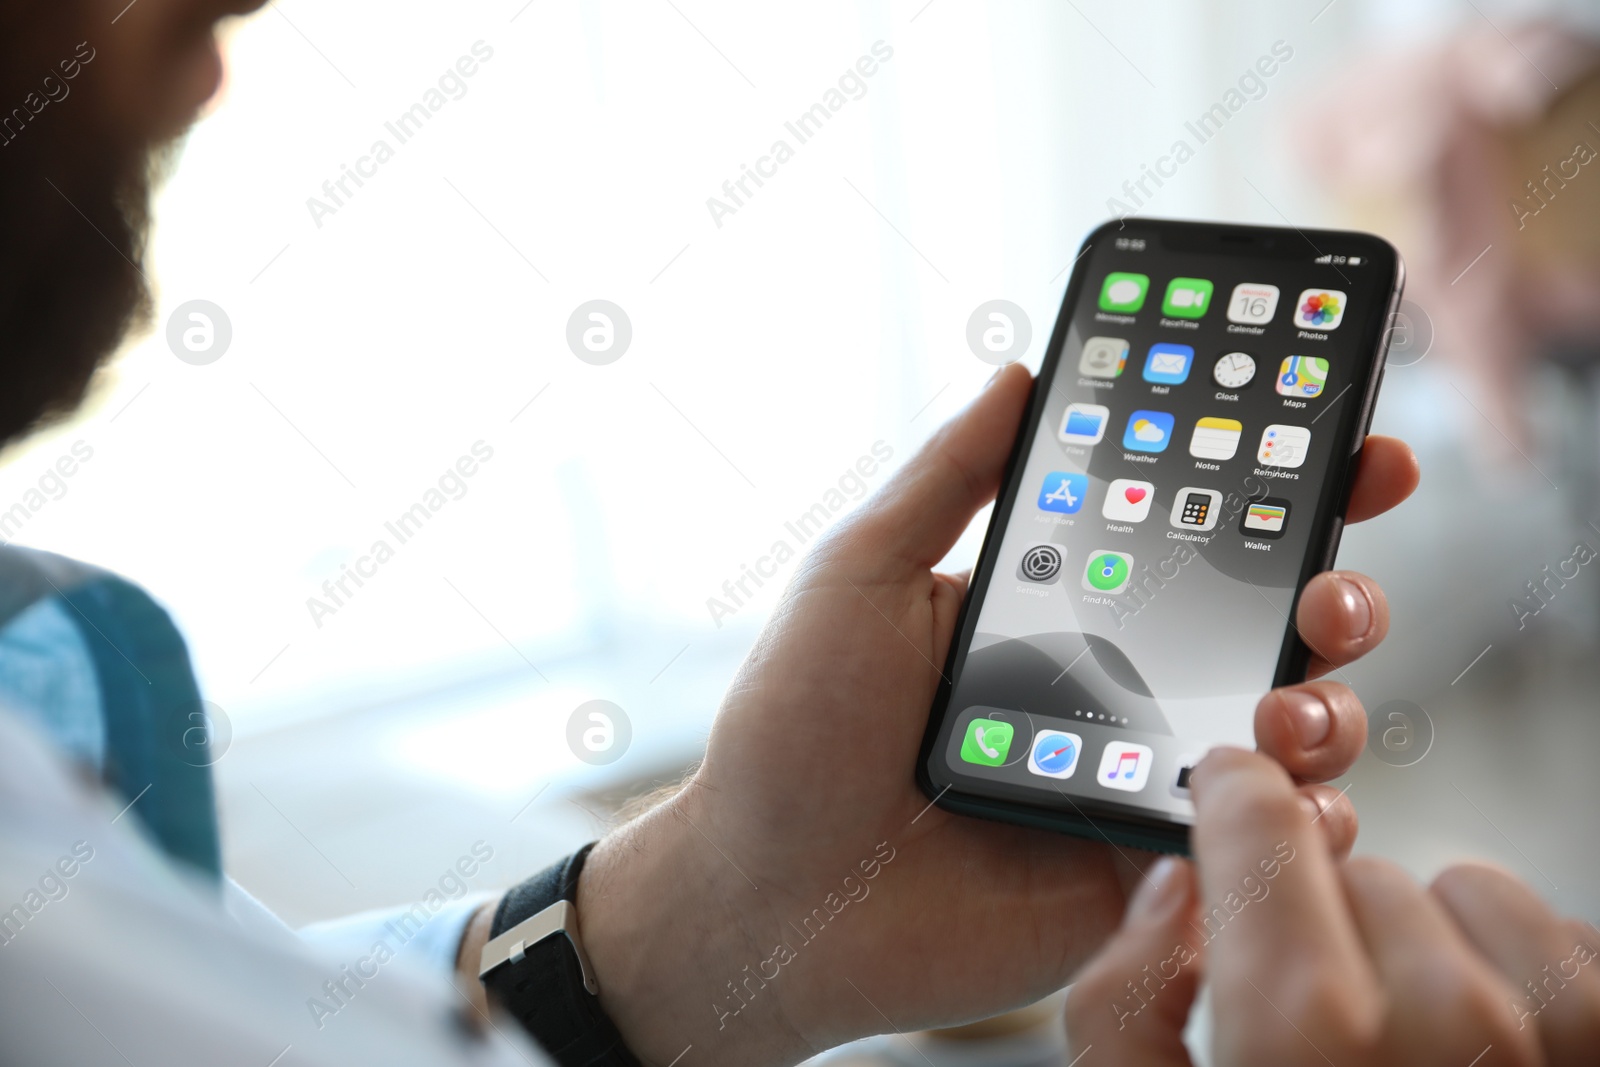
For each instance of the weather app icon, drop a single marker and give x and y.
(1148, 431)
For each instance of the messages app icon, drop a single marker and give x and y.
(987, 743)
(1124, 292)
(1148, 431)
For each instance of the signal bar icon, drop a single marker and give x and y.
(1324, 259)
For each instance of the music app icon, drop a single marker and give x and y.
(1125, 766)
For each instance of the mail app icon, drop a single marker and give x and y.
(1168, 364)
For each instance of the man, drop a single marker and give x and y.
(130, 948)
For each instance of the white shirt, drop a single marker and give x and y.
(109, 955)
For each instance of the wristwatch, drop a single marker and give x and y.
(535, 964)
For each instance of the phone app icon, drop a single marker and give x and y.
(1302, 376)
(1124, 292)
(1196, 508)
(1040, 563)
(1265, 518)
(1126, 766)
(1128, 500)
(1063, 492)
(1319, 309)
(1084, 424)
(1235, 370)
(1107, 571)
(1215, 438)
(1187, 298)
(987, 743)
(1283, 446)
(1168, 364)
(1103, 357)
(1055, 754)
(1148, 431)
(1253, 303)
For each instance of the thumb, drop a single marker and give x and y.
(919, 514)
(1133, 999)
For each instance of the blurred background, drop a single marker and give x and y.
(381, 331)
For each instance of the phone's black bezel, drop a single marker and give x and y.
(1093, 819)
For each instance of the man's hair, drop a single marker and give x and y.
(74, 215)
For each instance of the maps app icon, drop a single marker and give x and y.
(1302, 376)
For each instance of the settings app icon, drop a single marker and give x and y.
(1040, 563)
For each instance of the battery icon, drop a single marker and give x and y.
(1354, 261)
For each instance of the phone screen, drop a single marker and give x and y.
(1180, 478)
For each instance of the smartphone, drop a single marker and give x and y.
(1182, 472)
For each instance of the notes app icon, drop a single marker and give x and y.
(1125, 766)
(1215, 438)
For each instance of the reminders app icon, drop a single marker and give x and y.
(1283, 446)
(1084, 424)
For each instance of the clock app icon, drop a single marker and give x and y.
(1234, 370)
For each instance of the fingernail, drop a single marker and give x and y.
(1308, 715)
(1357, 609)
(1158, 891)
(1202, 770)
(995, 377)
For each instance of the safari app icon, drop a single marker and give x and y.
(1055, 754)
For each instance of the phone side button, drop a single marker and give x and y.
(1333, 544)
(1369, 408)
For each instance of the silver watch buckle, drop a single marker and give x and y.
(512, 946)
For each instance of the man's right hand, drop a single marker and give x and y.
(1312, 962)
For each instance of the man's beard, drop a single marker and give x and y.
(74, 221)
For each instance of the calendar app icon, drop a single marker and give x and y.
(1253, 303)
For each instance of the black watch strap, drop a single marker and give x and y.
(535, 964)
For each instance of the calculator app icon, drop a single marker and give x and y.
(1196, 508)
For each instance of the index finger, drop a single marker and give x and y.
(1281, 944)
(1387, 475)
